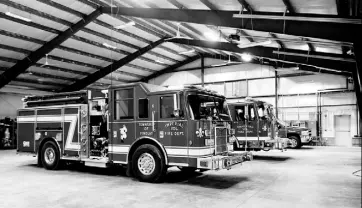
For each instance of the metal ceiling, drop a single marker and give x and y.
(85, 50)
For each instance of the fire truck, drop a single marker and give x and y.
(144, 127)
(256, 127)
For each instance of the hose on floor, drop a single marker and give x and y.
(355, 173)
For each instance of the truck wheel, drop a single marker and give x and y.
(294, 142)
(148, 164)
(187, 169)
(50, 156)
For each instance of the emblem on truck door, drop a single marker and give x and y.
(264, 128)
(123, 132)
(200, 132)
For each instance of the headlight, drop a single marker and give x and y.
(207, 132)
(37, 136)
(305, 133)
(232, 139)
(58, 137)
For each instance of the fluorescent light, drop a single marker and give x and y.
(211, 36)
(109, 46)
(186, 52)
(246, 57)
(255, 44)
(305, 47)
(216, 65)
(17, 16)
(159, 61)
(131, 23)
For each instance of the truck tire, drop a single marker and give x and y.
(295, 142)
(50, 156)
(148, 164)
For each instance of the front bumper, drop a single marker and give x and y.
(305, 139)
(226, 161)
(278, 143)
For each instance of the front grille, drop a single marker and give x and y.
(219, 134)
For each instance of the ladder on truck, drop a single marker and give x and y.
(78, 97)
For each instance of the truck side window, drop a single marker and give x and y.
(143, 108)
(124, 106)
(240, 114)
(166, 105)
(252, 114)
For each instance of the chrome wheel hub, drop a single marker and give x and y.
(293, 143)
(49, 155)
(146, 164)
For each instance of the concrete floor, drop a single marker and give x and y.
(310, 177)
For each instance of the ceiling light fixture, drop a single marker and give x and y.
(159, 61)
(211, 36)
(131, 23)
(186, 52)
(17, 16)
(109, 46)
(246, 57)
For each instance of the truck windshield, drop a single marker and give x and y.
(208, 107)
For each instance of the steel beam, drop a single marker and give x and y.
(306, 28)
(81, 39)
(171, 68)
(267, 52)
(215, 9)
(289, 6)
(64, 22)
(245, 5)
(332, 57)
(35, 56)
(280, 43)
(182, 7)
(139, 25)
(111, 68)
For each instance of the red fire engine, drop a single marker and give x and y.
(145, 127)
(256, 126)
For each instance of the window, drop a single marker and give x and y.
(251, 112)
(208, 107)
(143, 108)
(167, 107)
(240, 113)
(124, 104)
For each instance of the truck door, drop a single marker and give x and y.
(264, 123)
(122, 123)
(146, 125)
(246, 122)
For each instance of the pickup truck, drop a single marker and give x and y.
(298, 136)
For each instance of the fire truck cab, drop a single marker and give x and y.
(147, 128)
(255, 126)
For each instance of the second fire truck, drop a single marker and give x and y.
(256, 127)
(145, 127)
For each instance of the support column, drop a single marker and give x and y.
(276, 94)
(202, 70)
(357, 77)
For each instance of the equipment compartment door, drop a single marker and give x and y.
(25, 131)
